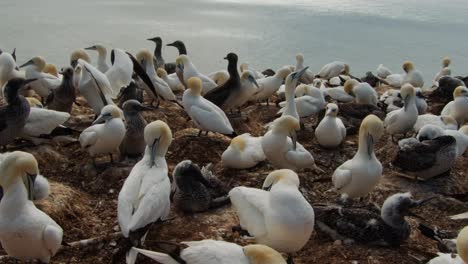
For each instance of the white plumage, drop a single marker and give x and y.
(189, 71)
(120, 73)
(269, 85)
(42, 121)
(402, 120)
(244, 152)
(445, 122)
(331, 131)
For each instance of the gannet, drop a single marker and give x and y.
(93, 85)
(458, 108)
(282, 149)
(63, 97)
(310, 103)
(104, 138)
(184, 63)
(445, 71)
(246, 67)
(13, 116)
(333, 69)
(8, 70)
(41, 122)
(443, 121)
(45, 82)
(269, 85)
(26, 233)
(421, 103)
(196, 190)
(308, 76)
(278, 216)
(145, 195)
(172, 67)
(427, 159)
(133, 143)
(359, 175)
(402, 120)
(432, 131)
(395, 80)
(145, 57)
(290, 108)
(120, 73)
(447, 85)
(363, 92)
(219, 77)
(245, 151)
(102, 64)
(224, 95)
(206, 115)
(385, 228)
(158, 60)
(371, 79)
(339, 94)
(383, 71)
(391, 99)
(413, 76)
(41, 188)
(172, 80)
(248, 88)
(331, 131)
(216, 252)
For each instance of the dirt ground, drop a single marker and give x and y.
(84, 199)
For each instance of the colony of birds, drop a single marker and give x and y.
(375, 150)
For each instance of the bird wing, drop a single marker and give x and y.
(300, 157)
(391, 118)
(341, 177)
(52, 237)
(153, 205)
(42, 121)
(120, 74)
(212, 118)
(213, 252)
(88, 137)
(250, 205)
(218, 95)
(159, 257)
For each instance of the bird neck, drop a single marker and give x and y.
(412, 105)
(364, 147)
(232, 69)
(157, 50)
(182, 50)
(15, 196)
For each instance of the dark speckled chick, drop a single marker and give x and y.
(133, 145)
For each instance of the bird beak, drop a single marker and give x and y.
(150, 39)
(293, 136)
(29, 62)
(91, 48)
(153, 149)
(180, 66)
(298, 74)
(252, 80)
(101, 119)
(406, 102)
(225, 58)
(416, 204)
(29, 180)
(112, 57)
(370, 146)
(267, 188)
(73, 63)
(171, 44)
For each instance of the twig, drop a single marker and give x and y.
(92, 241)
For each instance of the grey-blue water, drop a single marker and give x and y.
(266, 33)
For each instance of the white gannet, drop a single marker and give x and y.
(421, 103)
(363, 92)
(45, 82)
(289, 107)
(310, 103)
(333, 69)
(206, 115)
(369, 226)
(445, 71)
(172, 80)
(331, 131)
(269, 85)
(104, 138)
(432, 131)
(413, 76)
(391, 99)
(184, 63)
(219, 77)
(383, 72)
(41, 188)
(308, 76)
(216, 252)
(42, 121)
(278, 216)
(51, 69)
(79, 54)
(145, 57)
(282, 149)
(145, 195)
(359, 175)
(26, 233)
(402, 120)
(63, 97)
(120, 73)
(338, 93)
(443, 121)
(458, 108)
(246, 67)
(395, 80)
(245, 151)
(93, 86)
(7, 70)
(102, 64)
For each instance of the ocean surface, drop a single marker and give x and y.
(265, 33)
